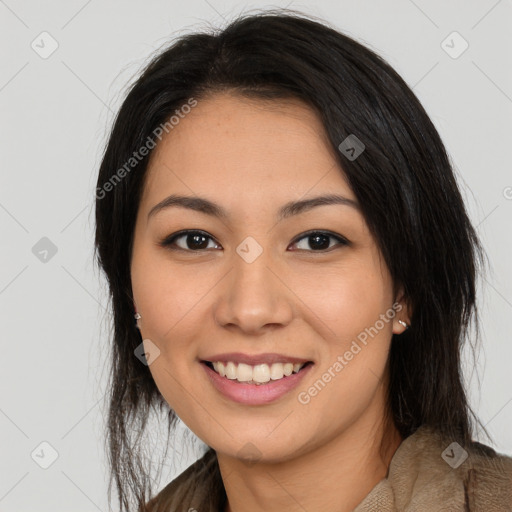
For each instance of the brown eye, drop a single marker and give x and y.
(319, 241)
(196, 241)
(187, 241)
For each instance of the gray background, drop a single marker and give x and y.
(55, 113)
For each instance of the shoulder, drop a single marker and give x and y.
(481, 476)
(191, 488)
(488, 479)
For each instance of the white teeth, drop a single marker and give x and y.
(231, 370)
(258, 374)
(276, 371)
(244, 372)
(288, 369)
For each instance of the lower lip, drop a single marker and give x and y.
(254, 394)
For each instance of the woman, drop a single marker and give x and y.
(279, 214)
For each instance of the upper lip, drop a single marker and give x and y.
(254, 359)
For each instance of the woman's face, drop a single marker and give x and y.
(254, 289)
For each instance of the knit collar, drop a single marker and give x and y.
(419, 478)
(430, 473)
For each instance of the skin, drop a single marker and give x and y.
(251, 157)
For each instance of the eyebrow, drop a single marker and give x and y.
(290, 209)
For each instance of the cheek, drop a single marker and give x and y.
(353, 306)
(172, 302)
(168, 297)
(345, 300)
(347, 384)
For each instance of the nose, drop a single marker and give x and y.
(254, 298)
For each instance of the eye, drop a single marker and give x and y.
(192, 240)
(319, 240)
(196, 241)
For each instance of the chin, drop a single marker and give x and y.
(259, 448)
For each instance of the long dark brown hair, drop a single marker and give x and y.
(403, 180)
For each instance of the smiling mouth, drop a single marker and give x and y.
(259, 374)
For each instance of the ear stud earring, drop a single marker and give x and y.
(401, 322)
(137, 318)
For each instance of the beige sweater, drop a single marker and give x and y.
(426, 474)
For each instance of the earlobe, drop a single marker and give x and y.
(402, 324)
(137, 318)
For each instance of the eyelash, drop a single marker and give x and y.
(169, 241)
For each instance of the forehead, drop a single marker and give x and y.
(231, 145)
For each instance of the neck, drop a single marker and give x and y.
(334, 477)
